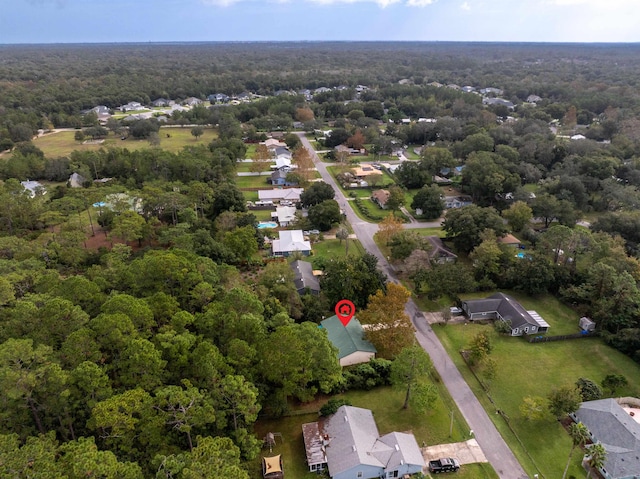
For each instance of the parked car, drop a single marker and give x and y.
(455, 311)
(445, 464)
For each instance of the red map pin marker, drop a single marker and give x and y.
(345, 310)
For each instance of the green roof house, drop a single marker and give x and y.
(352, 347)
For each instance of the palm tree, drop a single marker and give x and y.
(579, 435)
(597, 454)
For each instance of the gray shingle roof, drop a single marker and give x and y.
(406, 452)
(618, 432)
(303, 276)
(508, 308)
(349, 439)
(353, 433)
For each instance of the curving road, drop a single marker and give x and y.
(494, 447)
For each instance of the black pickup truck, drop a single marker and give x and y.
(445, 464)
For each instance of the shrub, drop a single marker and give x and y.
(589, 390)
(332, 406)
(366, 376)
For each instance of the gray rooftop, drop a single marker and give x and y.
(303, 276)
(508, 308)
(618, 432)
(352, 432)
(349, 438)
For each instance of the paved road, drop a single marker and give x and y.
(495, 449)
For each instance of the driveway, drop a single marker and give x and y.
(494, 447)
(467, 452)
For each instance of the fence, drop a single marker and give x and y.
(562, 337)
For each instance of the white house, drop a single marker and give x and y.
(289, 242)
(286, 215)
(132, 106)
(33, 187)
(76, 180)
(283, 163)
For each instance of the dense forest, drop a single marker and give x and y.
(153, 355)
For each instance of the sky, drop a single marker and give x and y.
(112, 21)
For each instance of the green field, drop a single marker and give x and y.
(332, 248)
(430, 232)
(257, 182)
(250, 195)
(262, 215)
(525, 369)
(59, 144)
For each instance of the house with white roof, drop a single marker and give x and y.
(132, 106)
(282, 163)
(281, 194)
(33, 187)
(289, 242)
(349, 445)
(285, 215)
(76, 180)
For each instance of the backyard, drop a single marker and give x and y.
(525, 369)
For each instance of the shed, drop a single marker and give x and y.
(272, 467)
(587, 324)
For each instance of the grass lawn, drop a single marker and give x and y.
(385, 182)
(257, 182)
(358, 193)
(410, 154)
(262, 215)
(536, 370)
(331, 248)
(250, 195)
(431, 427)
(408, 199)
(430, 232)
(251, 150)
(373, 209)
(63, 143)
(242, 166)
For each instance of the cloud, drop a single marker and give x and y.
(419, 3)
(594, 3)
(380, 3)
(465, 6)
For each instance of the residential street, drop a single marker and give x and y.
(494, 447)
